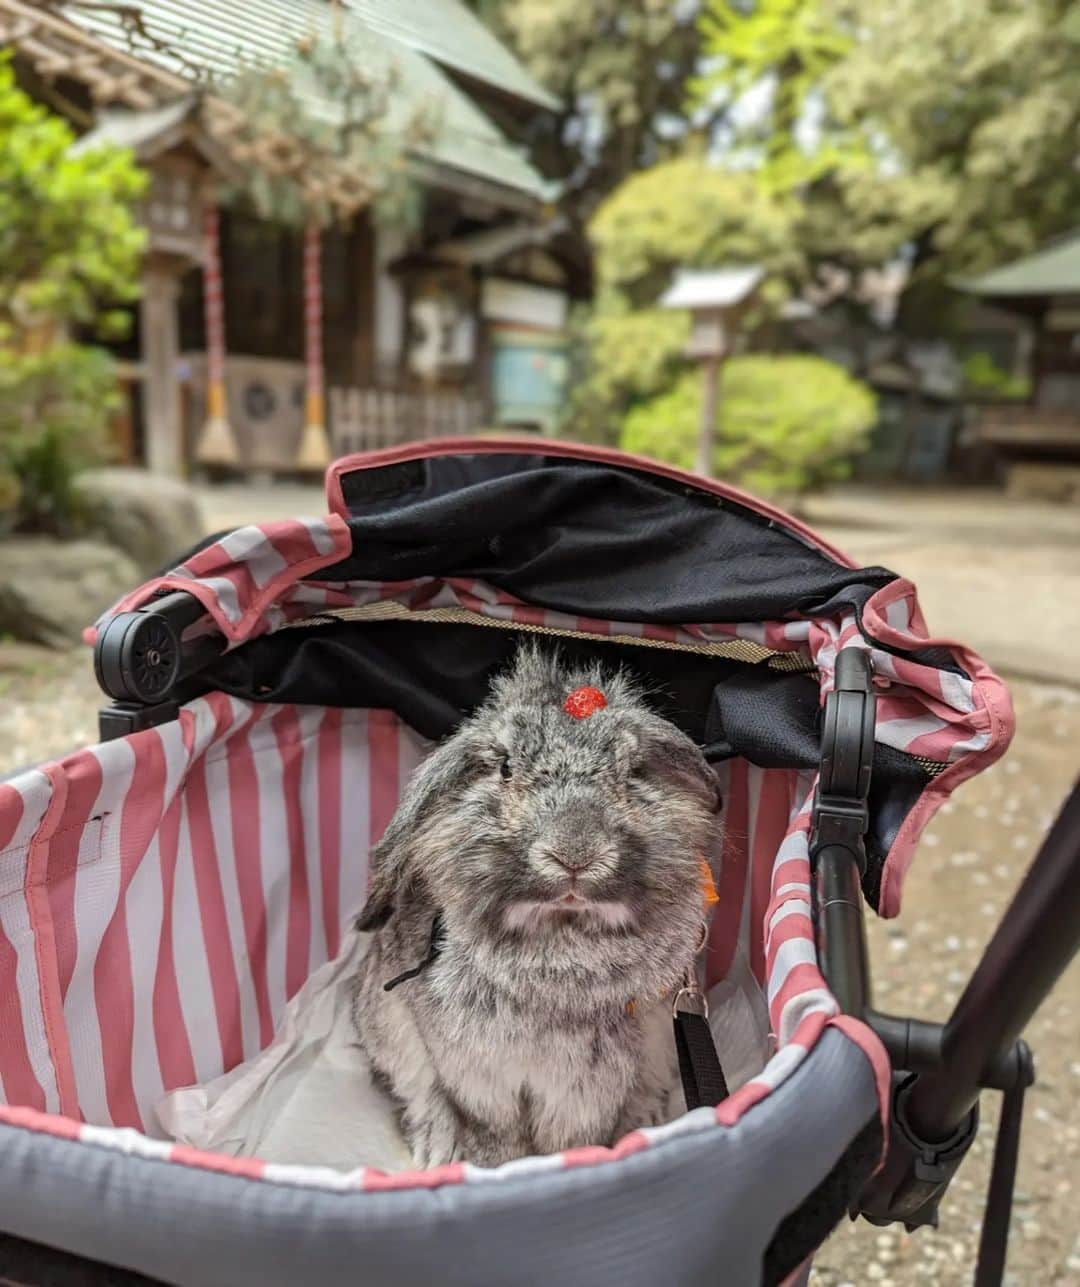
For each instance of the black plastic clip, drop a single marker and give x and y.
(122, 718)
(916, 1172)
(847, 754)
(840, 819)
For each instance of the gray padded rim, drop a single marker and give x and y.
(694, 1210)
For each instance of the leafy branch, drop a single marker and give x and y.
(337, 100)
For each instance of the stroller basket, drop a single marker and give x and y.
(163, 895)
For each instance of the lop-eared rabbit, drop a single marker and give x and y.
(535, 902)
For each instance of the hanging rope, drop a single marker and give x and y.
(217, 445)
(314, 450)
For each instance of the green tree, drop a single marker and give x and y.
(54, 409)
(688, 213)
(69, 244)
(620, 69)
(69, 255)
(979, 102)
(683, 213)
(336, 98)
(779, 52)
(786, 424)
(946, 133)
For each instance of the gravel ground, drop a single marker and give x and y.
(971, 859)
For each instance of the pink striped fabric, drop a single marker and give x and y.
(260, 579)
(162, 896)
(240, 578)
(922, 710)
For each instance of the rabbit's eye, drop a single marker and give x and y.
(505, 770)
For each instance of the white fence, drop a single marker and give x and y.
(365, 419)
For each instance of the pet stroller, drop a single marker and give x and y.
(164, 893)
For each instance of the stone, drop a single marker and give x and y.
(153, 519)
(23, 658)
(50, 590)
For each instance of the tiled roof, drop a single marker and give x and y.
(196, 38)
(1054, 270)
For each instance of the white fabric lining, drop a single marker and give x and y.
(308, 1099)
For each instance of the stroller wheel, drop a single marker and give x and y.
(138, 657)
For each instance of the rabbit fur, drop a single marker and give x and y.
(562, 858)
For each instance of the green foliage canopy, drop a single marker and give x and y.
(979, 102)
(70, 250)
(785, 47)
(69, 245)
(688, 214)
(54, 409)
(620, 69)
(945, 131)
(337, 98)
(681, 213)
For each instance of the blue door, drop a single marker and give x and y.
(528, 376)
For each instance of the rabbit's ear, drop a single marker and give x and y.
(671, 755)
(433, 783)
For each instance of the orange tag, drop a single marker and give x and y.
(708, 885)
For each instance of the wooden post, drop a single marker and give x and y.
(161, 353)
(711, 368)
(217, 445)
(716, 300)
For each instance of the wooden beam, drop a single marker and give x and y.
(56, 29)
(13, 29)
(57, 47)
(161, 356)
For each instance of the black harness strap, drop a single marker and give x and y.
(699, 1065)
(434, 948)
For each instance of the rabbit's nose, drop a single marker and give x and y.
(578, 861)
(576, 858)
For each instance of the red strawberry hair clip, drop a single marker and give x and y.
(583, 702)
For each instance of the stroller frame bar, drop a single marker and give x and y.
(1037, 937)
(939, 1069)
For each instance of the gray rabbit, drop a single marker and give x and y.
(536, 900)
